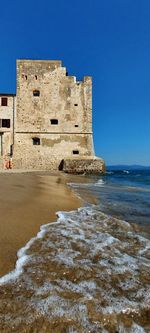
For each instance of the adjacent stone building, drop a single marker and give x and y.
(7, 112)
(48, 124)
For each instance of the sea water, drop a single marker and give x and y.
(89, 271)
(124, 194)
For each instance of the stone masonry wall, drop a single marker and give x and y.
(53, 148)
(50, 120)
(61, 98)
(83, 165)
(6, 134)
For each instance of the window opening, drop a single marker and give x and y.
(75, 104)
(24, 77)
(76, 125)
(54, 121)
(75, 152)
(35, 77)
(36, 93)
(4, 101)
(5, 123)
(36, 141)
(11, 150)
(60, 167)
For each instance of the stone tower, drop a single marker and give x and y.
(52, 118)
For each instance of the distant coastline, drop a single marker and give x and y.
(127, 167)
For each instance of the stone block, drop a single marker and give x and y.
(82, 165)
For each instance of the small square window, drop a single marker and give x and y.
(54, 121)
(76, 125)
(75, 104)
(5, 123)
(36, 93)
(75, 152)
(4, 101)
(36, 141)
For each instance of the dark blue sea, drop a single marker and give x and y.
(124, 194)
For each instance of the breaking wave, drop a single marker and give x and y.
(87, 272)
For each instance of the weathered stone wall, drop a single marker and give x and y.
(54, 109)
(61, 98)
(6, 134)
(53, 147)
(83, 165)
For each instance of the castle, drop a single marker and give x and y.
(47, 125)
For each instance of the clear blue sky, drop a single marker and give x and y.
(109, 40)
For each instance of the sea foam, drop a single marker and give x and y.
(86, 270)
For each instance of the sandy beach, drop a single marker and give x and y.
(27, 201)
(86, 272)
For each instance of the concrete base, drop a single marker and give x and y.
(84, 165)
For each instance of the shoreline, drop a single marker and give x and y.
(86, 271)
(29, 200)
(22, 257)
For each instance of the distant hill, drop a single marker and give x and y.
(127, 167)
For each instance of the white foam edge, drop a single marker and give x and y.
(23, 258)
(100, 183)
(74, 190)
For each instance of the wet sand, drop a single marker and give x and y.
(87, 272)
(27, 201)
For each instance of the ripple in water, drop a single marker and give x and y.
(88, 272)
